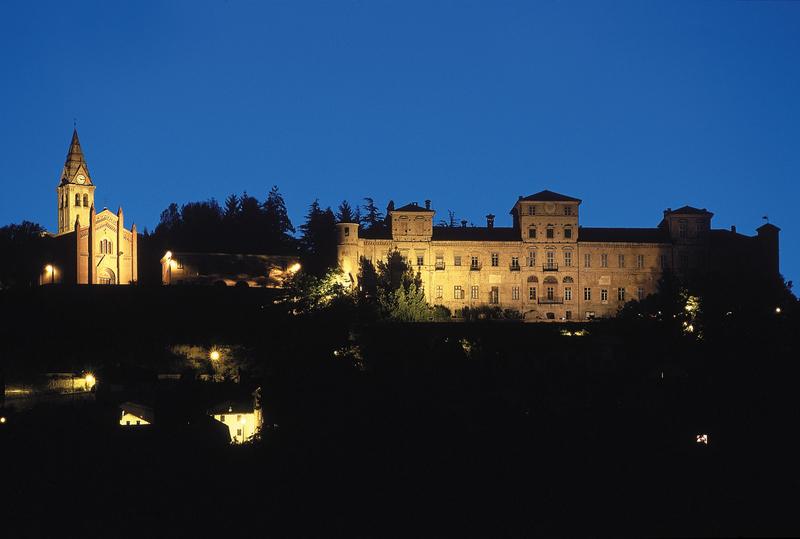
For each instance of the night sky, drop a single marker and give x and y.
(631, 106)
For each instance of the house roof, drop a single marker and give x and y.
(232, 407)
(623, 235)
(139, 410)
(413, 207)
(549, 196)
(475, 233)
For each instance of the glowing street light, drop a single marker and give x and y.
(214, 355)
(50, 270)
(2, 419)
(90, 380)
(777, 310)
(294, 268)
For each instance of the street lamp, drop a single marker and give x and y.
(52, 271)
(214, 355)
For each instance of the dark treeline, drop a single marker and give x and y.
(22, 249)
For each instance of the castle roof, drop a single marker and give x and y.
(549, 196)
(690, 210)
(623, 235)
(413, 207)
(75, 163)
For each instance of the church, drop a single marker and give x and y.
(90, 247)
(546, 266)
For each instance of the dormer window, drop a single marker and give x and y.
(531, 210)
(567, 210)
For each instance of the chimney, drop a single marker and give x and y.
(733, 229)
(490, 221)
(427, 204)
(415, 203)
(463, 223)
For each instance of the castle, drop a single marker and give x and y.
(89, 247)
(547, 266)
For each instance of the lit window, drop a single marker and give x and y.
(532, 259)
(587, 294)
(604, 295)
(458, 292)
(495, 259)
(494, 295)
(474, 292)
(532, 293)
(604, 260)
(439, 262)
(439, 291)
(473, 262)
(621, 294)
(515, 262)
(567, 293)
(515, 292)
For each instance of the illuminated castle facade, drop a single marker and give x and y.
(547, 266)
(89, 247)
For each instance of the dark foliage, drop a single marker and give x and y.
(22, 254)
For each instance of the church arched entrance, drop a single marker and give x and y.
(106, 276)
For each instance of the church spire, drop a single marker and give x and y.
(75, 168)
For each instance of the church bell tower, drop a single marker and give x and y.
(75, 189)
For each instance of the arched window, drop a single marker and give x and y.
(550, 280)
(85, 201)
(533, 279)
(568, 279)
(77, 199)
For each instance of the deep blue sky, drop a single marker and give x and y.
(631, 106)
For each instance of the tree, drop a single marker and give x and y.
(397, 290)
(278, 224)
(372, 216)
(318, 242)
(231, 210)
(22, 253)
(345, 213)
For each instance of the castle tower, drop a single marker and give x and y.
(347, 250)
(75, 189)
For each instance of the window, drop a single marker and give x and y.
(494, 295)
(567, 293)
(587, 260)
(640, 261)
(85, 201)
(683, 228)
(222, 418)
(604, 295)
(531, 210)
(568, 258)
(663, 261)
(515, 292)
(621, 294)
(104, 280)
(106, 247)
(77, 199)
(346, 231)
(532, 259)
(587, 294)
(550, 233)
(474, 263)
(438, 291)
(439, 261)
(457, 260)
(238, 418)
(640, 293)
(567, 233)
(475, 292)
(532, 293)
(567, 210)
(458, 292)
(604, 260)
(515, 262)
(180, 264)
(551, 293)
(495, 260)
(420, 260)
(551, 259)
(621, 261)
(568, 315)
(238, 432)
(532, 232)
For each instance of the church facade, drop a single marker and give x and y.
(546, 266)
(90, 247)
